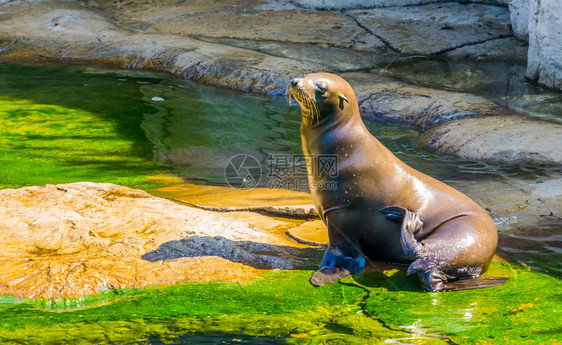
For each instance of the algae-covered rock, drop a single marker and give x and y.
(372, 308)
(525, 308)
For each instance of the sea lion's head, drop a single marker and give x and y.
(323, 96)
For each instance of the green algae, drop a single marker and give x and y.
(61, 125)
(363, 309)
(281, 305)
(43, 143)
(526, 308)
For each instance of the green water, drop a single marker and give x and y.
(62, 125)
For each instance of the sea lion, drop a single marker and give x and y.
(382, 208)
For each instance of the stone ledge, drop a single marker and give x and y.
(506, 139)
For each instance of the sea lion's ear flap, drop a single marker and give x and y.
(343, 98)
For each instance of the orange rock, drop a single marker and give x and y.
(81, 238)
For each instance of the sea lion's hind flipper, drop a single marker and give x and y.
(474, 283)
(411, 225)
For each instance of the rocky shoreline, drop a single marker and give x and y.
(231, 44)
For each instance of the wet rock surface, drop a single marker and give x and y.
(527, 213)
(355, 4)
(387, 100)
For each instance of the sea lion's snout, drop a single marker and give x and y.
(296, 89)
(299, 89)
(295, 82)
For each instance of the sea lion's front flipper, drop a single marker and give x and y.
(411, 226)
(336, 266)
(344, 255)
(328, 275)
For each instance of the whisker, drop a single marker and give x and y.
(308, 107)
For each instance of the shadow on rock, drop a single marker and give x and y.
(257, 255)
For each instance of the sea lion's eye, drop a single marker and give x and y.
(322, 89)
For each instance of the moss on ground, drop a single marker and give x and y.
(364, 309)
(281, 305)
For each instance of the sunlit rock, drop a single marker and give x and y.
(506, 139)
(82, 238)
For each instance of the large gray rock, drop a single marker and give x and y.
(507, 139)
(435, 28)
(545, 42)
(519, 14)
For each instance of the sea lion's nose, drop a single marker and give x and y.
(295, 82)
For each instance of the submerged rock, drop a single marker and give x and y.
(357, 4)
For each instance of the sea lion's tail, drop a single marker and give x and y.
(474, 283)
